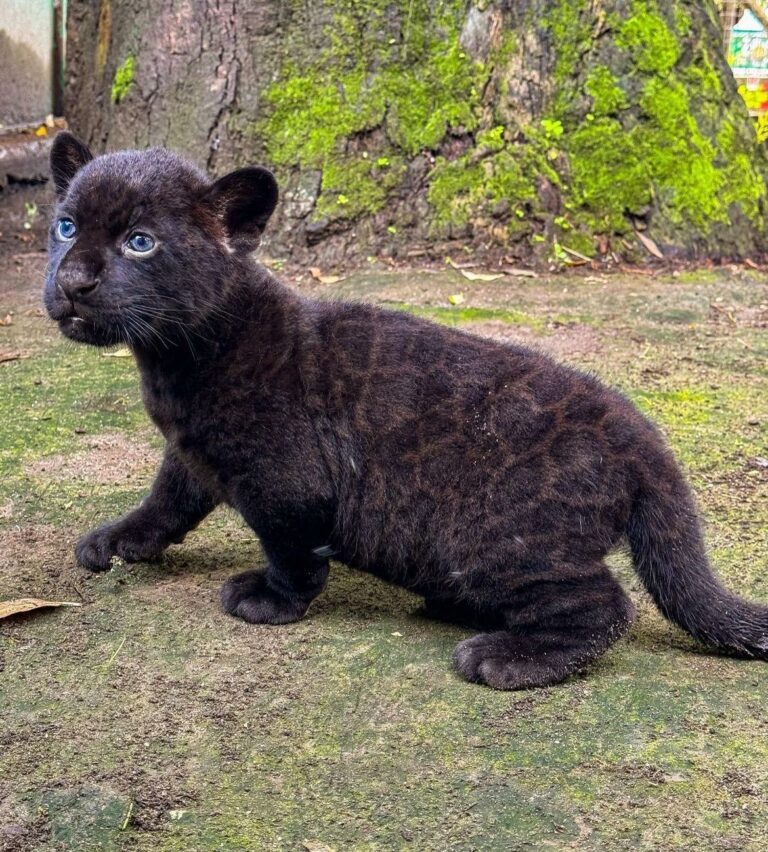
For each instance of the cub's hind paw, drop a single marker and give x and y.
(502, 660)
(249, 596)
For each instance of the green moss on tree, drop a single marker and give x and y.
(652, 45)
(487, 175)
(568, 23)
(643, 130)
(625, 158)
(608, 98)
(415, 91)
(123, 79)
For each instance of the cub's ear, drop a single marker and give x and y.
(244, 200)
(68, 156)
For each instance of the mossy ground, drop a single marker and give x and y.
(148, 720)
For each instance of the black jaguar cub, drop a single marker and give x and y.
(487, 478)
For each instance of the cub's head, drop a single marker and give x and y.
(142, 245)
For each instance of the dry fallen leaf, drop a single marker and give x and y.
(481, 276)
(456, 299)
(577, 254)
(11, 356)
(8, 320)
(8, 608)
(650, 245)
(472, 276)
(317, 274)
(123, 352)
(520, 273)
(316, 846)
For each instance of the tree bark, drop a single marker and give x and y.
(529, 127)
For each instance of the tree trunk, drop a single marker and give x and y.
(529, 127)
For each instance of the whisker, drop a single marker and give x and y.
(150, 329)
(201, 301)
(171, 318)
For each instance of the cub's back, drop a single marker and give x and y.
(447, 432)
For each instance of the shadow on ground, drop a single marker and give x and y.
(146, 719)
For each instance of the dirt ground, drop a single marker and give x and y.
(146, 719)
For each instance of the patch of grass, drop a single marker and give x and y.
(47, 398)
(464, 316)
(82, 818)
(696, 276)
(691, 414)
(48, 402)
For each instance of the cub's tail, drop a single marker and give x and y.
(668, 549)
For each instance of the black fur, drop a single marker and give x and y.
(487, 478)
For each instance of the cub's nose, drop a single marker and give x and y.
(75, 287)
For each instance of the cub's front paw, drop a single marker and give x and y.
(249, 596)
(131, 543)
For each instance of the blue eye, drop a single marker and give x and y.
(140, 243)
(65, 230)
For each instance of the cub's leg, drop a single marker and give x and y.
(455, 612)
(556, 623)
(283, 592)
(175, 505)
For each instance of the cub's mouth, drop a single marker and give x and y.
(72, 323)
(84, 330)
(68, 316)
(77, 328)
